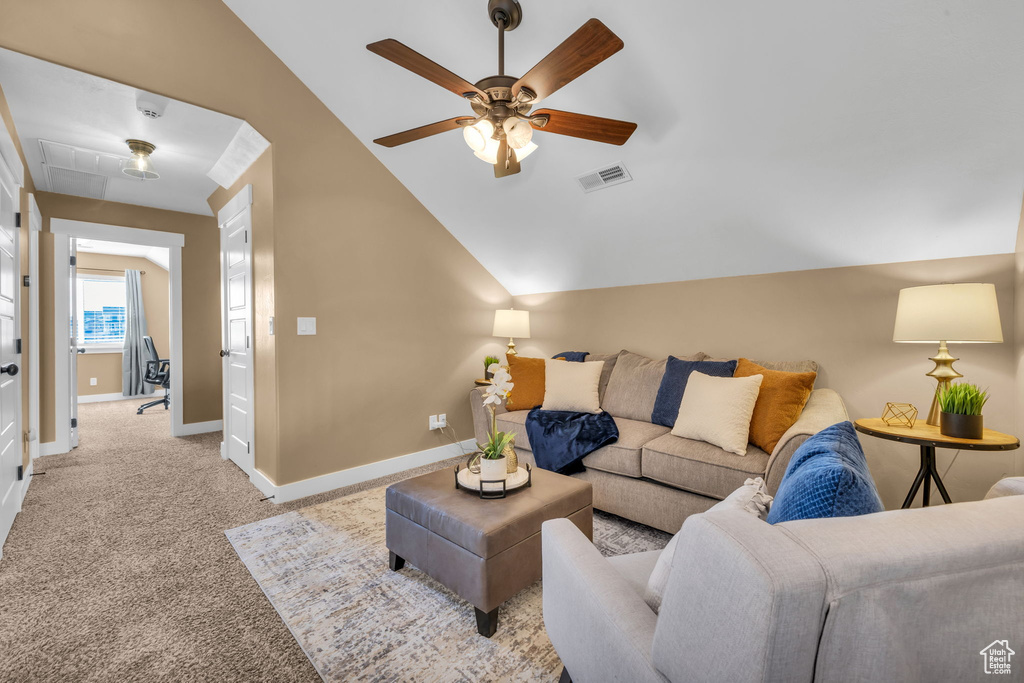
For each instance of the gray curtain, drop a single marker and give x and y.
(135, 354)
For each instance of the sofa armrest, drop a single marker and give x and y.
(824, 408)
(481, 415)
(600, 626)
(1010, 486)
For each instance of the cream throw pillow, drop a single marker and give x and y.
(718, 410)
(572, 386)
(752, 497)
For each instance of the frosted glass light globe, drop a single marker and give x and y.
(518, 132)
(489, 153)
(478, 136)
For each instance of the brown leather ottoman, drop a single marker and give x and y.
(484, 550)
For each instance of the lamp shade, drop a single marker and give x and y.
(953, 313)
(512, 323)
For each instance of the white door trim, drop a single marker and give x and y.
(63, 229)
(236, 205)
(35, 225)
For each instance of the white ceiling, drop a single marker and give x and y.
(158, 255)
(772, 136)
(58, 104)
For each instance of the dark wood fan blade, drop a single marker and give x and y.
(507, 163)
(579, 53)
(422, 132)
(404, 56)
(594, 128)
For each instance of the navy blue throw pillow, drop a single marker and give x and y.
(673, 384)
(828, 476)
(572, 356)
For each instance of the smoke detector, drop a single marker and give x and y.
(150, 106)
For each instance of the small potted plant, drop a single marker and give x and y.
(961, 406)
(488, 362)
(492, 459)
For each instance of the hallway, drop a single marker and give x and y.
(117, 567)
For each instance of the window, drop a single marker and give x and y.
(101, 311)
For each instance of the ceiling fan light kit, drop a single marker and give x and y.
(501, 132)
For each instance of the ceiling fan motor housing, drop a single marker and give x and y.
(508, 11)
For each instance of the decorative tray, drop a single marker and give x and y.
(492, 489)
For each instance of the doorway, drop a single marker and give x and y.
(98, 283)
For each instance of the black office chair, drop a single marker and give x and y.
(158, 372)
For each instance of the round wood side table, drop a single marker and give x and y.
(929, 438)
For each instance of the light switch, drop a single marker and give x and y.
(307, 326)
(271, 324)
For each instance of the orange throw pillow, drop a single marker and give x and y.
(528, 378)
(781, 400)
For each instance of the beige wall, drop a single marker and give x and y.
(200, 270)
(842, 318)
(106, 367)
(392, 290)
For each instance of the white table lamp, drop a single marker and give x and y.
(947, 314)
(511, 323)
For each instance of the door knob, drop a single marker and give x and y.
(11, 369)
(225, 353)
(79, 350)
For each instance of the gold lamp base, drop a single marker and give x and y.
(944, 374)
(511, 347)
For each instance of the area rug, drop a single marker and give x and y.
(325, 570)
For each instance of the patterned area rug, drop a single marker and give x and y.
(325, 570)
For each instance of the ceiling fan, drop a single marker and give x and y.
(502, 130)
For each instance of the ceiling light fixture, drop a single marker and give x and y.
(501, 131)
(140, 165)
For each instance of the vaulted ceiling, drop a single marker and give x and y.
(772, 136)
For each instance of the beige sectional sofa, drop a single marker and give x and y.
(658, 479)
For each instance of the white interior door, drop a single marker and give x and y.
(236, 335)
(10, 380)
(73, 342)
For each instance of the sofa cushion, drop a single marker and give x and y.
(718, 410)
(633, 385)
(515, 423)
(673, 385)
(623, 456)
(606, 372)
(751, 498)
(828, 476)
(528, 383)
(780, 365)
(700, 467)
(572, 386)
(782, 398)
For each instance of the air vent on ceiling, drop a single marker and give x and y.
(78, 183)
(616, 174)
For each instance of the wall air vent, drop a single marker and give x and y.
(78, 183)
(616, 174)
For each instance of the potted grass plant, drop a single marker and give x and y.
(488, 362)
(961, 406)
(492, 458)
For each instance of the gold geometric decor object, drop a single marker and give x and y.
(899, 414)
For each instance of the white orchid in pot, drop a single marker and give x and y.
(492, 454)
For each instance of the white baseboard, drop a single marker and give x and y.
(103, 398)
(356, 475)
(191, 428)
(50, 448)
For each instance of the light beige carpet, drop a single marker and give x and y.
(117, 568)
(325, 569)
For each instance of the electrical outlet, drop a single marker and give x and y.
(442, 420)
(433, 422)
(92, 381)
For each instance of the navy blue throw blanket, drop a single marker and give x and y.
(561, 439)
(576, 357)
